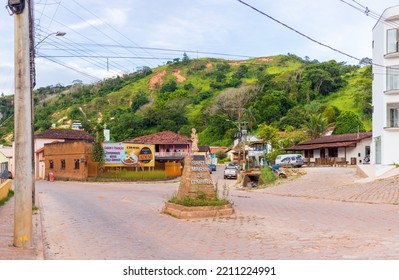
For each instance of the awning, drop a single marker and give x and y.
(321, 146)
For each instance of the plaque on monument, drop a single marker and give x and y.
(196, 180)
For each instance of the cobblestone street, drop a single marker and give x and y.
(312, 217)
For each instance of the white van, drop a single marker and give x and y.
(295, 160)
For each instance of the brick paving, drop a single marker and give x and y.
(338, 183)
(7, 250)
(305, 218)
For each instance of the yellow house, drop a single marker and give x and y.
(6, 156)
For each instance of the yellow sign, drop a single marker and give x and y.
(124, 154)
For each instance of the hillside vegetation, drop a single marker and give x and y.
(212, 95)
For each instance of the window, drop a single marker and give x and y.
(393, 78)
(333, 152)
(393, 115)
(392, 40)
(77, 164)
(377, 141)
(309, 154)
(51, 164)
(63, 164)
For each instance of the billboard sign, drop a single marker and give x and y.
(125, 154)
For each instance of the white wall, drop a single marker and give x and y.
(389, 137)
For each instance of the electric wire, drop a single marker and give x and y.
(167, 50)
(76, 53)
(99, 30)
(91, 12)
(298, 32)
(116, 65)
(73, 68)
(308, 37)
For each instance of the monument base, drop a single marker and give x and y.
(197, 212)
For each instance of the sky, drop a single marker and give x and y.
(109, 38)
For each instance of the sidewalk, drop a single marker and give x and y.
(340, 184)
(7, 250)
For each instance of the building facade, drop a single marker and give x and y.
(384, 151)
(53, 136)
(170, 150)
(343, 149)
(68, 160)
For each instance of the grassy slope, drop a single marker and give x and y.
(278, 65)
(343, 99)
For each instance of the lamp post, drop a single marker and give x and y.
(240, 133)
(58, 33)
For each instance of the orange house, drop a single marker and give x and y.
(68, 160)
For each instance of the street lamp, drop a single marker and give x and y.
(58, 33)
(240, 133)
(15, 6)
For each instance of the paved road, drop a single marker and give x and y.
(124, 221)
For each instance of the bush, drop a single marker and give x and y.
(189, 201)
(9, 195)
(130, 175)
(267, 175)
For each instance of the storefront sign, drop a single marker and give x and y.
(121, 154)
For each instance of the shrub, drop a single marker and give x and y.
(267, 175)
(189, 201)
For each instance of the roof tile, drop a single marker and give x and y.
(165, 137)
(67, 134)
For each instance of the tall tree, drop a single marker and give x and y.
(316, 126)
(348, 122)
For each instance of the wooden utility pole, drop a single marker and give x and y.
(23, 137)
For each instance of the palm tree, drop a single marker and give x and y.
(250, 114)
(316, 126)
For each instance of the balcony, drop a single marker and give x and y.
(391, 128)
(391, 55)
(391, 92)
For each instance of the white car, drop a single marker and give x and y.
(294, 160)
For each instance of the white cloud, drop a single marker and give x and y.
(86, 24)
(116, 16)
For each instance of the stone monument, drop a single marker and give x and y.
(196, 180)
(196, 183)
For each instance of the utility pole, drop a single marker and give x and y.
(23, 137)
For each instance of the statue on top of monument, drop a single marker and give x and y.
(194, 139)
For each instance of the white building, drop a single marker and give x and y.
(384, 148)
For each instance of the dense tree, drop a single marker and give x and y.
(348, 122)
(214, 90)
(268, 134)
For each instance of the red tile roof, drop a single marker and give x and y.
(165, 137)
(214, 150)
(339, 138)
(331, 141)
(66, 134)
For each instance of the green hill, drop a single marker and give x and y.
(282, 91)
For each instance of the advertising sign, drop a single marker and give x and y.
(121, 154)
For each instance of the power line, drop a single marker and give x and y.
(91, 12)
(298, 32)
(87, 38)
(72, 68)
(103, 56)
(99, 30)
(167, 50)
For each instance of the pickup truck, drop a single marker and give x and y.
(230, 172)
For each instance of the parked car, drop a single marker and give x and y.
(235, 164)
(212, 167)
(293, 160)
(230, 172)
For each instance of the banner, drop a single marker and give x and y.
(125, 154)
